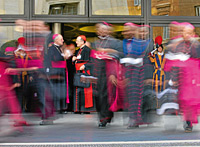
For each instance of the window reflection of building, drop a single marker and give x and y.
(63, 9)
(165, 33)
(197, 8)
(137, 2)
(11, 7)
(174, 7)
(197, 31)
(161, 31)
(9, 33)
(60, 7)
(117, 7)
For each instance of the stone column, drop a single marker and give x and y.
(57, 28)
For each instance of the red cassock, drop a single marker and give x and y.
(189, 87)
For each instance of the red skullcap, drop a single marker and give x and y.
(83, 37)
(54, 36)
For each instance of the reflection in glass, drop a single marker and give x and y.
(11, 7)
(197, 31)
(60, 7)
(10, 35)
(161, 31)
(116, 7)
(168, 33)
(175, 7)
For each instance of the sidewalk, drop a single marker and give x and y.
(83, 128)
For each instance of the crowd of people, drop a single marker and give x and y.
(136, 75)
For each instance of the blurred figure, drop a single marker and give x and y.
(185, 57)
(58, 73)
(168, 99)
(136, 51)
(83, 97)
(9, 102)
(25, 91)
(104, 45)
(35, 33)
(175, 31)
(70, 47)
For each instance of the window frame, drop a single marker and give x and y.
(60, 18)
(119, 16)
(168, 18)
(13, 17)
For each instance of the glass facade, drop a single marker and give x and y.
(88, 12)
(175, 7)
(59, 7)
(11, 7)
(116, 7)
(9, 35)
(161, 31)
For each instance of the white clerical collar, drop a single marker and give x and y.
(160, 53)
(82, 46)
(56, 44)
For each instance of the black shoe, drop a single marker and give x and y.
(188, 126)
(102, 125)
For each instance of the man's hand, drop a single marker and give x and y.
(113, 79)
(33, 68)
(82, 67)
(10, 70)
(123, 83)
(74, 58)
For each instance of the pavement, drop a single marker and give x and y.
(81, 130)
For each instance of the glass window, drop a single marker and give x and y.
(11, 7)
(60, 7)
(197, 31)
(197, 8)
(175, 7)
(165, 33)
(10, 35)
(116, 7)
(161, 31)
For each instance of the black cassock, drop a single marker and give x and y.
(99, 71)
(57, 75)
(83, 97)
